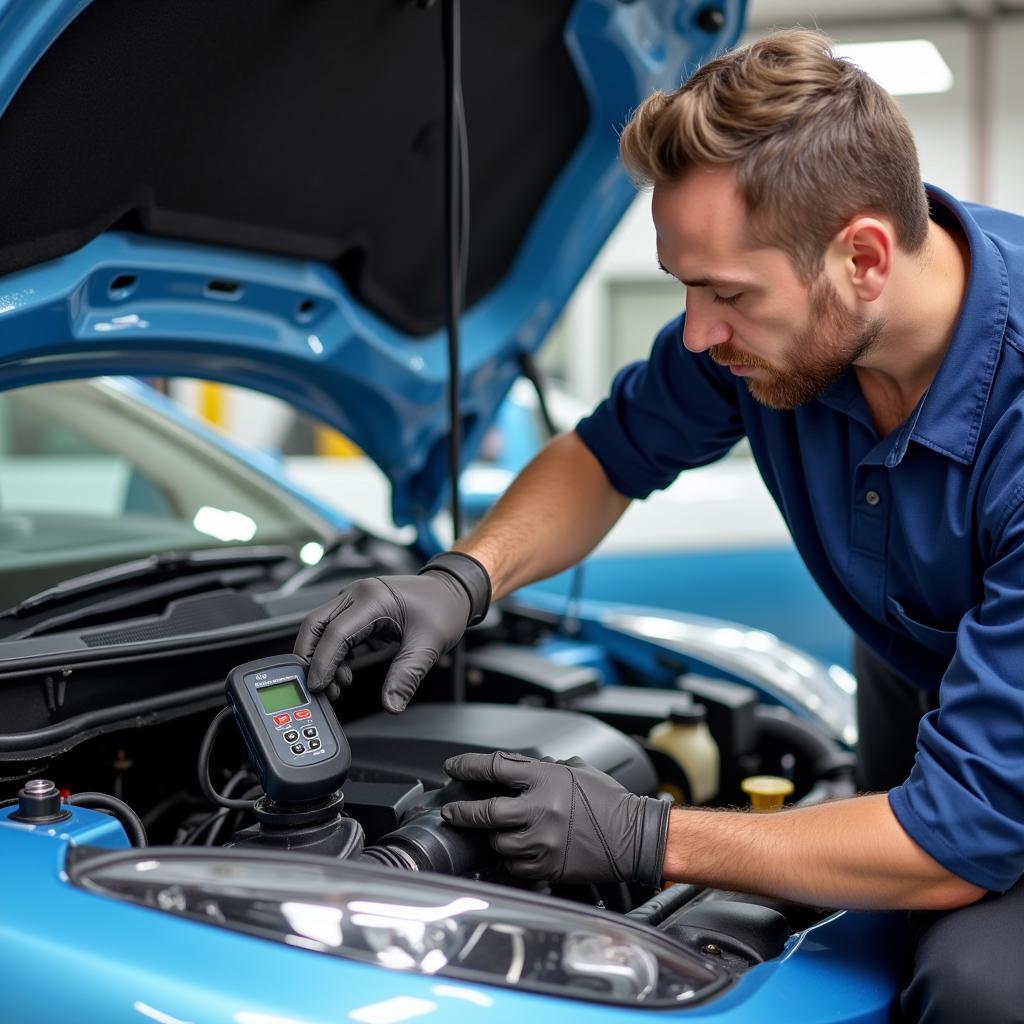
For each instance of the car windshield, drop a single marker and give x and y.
(92, 474)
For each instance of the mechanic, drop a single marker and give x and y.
(866, 333)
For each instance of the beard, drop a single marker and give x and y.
(818, 357)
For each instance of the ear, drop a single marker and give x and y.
(866, 247)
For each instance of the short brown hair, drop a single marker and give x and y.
(814, 139)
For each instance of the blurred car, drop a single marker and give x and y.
(246, 192)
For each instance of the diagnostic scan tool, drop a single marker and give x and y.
(293, 737)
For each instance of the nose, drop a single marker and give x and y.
(704, 327)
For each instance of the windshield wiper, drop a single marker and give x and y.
(130, 584)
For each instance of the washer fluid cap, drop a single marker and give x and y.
(688, 714)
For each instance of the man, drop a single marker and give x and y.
(868, 338)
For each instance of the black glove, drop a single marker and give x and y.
(427, 612)
(570, 823)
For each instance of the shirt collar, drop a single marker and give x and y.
(948, 417)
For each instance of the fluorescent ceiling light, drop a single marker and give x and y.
(902, 67)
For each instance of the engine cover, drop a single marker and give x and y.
(416, 743)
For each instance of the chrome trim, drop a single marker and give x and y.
(823, 693)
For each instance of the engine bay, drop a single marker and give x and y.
(137, 729)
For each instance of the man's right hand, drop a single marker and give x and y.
(426, 613)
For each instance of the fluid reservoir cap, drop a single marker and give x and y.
(39, 803)
(766, 792)
(688, 714)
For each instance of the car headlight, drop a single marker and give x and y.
(425, 923)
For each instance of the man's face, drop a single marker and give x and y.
(745, 304)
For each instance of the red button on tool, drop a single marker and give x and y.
(304, 713)
(283, 719)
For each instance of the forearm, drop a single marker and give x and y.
(553, 515)
(852, 854)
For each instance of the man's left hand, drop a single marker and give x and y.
(569, 823)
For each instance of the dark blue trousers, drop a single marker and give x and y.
(966, 966)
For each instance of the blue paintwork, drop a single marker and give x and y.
(85, 827)
(767, 588)
(116, 961)
(383, 389)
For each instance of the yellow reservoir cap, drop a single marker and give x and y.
(766, 792)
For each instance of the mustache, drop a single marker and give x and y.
(724, 354)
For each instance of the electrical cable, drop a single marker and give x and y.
(205, 750)
(531, 371)
(456, 237)
(456, 245)
(239, 816)
(254, 791)
(193, 834)
(566, 621)
(218, 817)
(162, 807)
(118, 808)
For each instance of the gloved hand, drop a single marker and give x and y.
(427, 612)
(570, 823)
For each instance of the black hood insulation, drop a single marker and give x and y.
(309, 128)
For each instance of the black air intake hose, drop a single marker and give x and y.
(428, 843)
(826, 758)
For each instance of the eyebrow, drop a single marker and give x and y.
(711, 282)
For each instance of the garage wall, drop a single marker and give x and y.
(1007, 115)
(970, 141)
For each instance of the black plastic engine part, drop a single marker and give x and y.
(339, 837)
(510, 672)
(731, 711)
(380, 807)
(741, 934)
(665, 903)
(416, 743)
(632, 709)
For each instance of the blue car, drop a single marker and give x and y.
(250, 192)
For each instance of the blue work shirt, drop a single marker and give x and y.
(916, 538)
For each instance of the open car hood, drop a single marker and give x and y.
(250, 191)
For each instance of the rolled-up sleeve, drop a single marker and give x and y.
(964, 801)
(672, 412)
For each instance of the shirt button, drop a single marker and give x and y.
(872, 497)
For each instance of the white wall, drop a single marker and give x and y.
(1006, 178)
(983, 109)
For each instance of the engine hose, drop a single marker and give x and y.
(118, 808)
(826, 758)
(664, 903)
(428, 843)
(205, 751)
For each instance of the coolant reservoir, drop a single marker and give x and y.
(686, 738)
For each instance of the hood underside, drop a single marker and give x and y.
(251, 191)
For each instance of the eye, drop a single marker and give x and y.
(728, 300)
